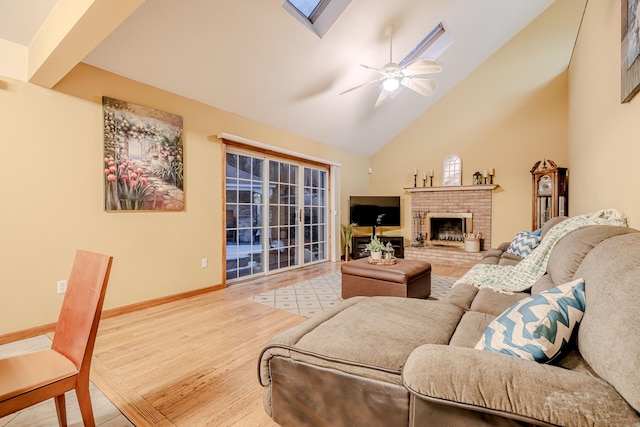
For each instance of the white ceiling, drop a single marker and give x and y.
(251, 57)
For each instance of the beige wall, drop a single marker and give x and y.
(603, 133)
(508, 114)
(52, 189)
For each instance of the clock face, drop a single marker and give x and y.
(544, 185)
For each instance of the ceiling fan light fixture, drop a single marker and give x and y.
(390, 84)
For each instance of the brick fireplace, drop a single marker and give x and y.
(471, 206)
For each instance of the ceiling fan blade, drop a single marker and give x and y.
(359, 86)
(422, 66)
(424, 87)
(418, 76)
(368, 67)
(384, 95)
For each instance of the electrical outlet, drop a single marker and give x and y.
(205, 262)
(62, 286)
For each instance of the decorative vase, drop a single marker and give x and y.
(376, 255)
(346, 253)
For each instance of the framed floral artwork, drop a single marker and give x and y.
(630, 66)
(143, 158)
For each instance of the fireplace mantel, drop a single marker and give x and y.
(452, 188)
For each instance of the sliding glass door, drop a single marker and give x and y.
(293, 215)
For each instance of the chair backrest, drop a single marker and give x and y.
(81, 308)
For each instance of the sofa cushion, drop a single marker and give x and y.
(539, 327)
(508, 258)
(543, 284)
(495, 303)
(608, 336)
(569, 252)
(470, 329)
(500, 256)
(523, 244)
(370, 337)
(462, 295)
(550, 224)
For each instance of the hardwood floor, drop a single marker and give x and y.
(193, 362)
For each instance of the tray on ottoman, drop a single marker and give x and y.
(406, 278)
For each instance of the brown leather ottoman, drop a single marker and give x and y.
(406, 278)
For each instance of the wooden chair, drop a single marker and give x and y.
(32, 378)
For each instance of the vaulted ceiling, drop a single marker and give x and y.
(251, 57)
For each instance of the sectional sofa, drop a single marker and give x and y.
(389, 361)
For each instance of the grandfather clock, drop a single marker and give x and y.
(550, 192)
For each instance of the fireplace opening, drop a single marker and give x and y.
(448, 229)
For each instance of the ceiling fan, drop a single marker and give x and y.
(413, 75)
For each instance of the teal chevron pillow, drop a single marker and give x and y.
(524, 243)
(538, 327)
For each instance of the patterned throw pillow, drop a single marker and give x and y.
(524, 243)
(537, 327)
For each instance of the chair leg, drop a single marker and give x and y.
(84, 401)
(61, 410)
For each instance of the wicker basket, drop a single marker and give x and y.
(472, 245)
(382, 261)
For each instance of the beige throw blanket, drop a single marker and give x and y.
(517, 278)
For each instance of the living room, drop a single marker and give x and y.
(506, 115)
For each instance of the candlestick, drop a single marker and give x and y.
(415, 171)
(431, 180)
(492, 171)
(484, 173)
(424, 181)
(431, 174)
(415, 180)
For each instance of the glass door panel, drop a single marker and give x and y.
(244, 223)
(315, 215)
(283, 215)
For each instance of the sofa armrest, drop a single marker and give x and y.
(513, 387)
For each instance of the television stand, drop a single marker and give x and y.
(359, 242)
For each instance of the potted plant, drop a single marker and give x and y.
(347, 232)
(375, 246)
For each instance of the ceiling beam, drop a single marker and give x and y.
(74, 28)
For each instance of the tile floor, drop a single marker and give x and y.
(305, 298)
(44, 414)
(316, 295)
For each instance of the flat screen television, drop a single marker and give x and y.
(375, 211)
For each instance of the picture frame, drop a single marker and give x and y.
(143, 158)
(630, 45)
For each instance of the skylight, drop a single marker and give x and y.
(305, 7)
(424, 44)
(317, 15)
